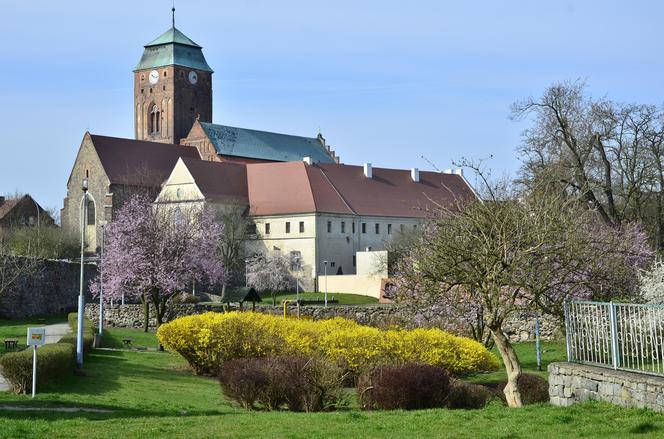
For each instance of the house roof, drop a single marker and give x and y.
(295, 187)
(219, 182)
(243, 142)
(173, 48)
(137, 162)
(7, 206)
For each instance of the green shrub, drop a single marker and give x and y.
(54, 361)
(89, 330)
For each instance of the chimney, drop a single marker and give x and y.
(415, 175)
(459, 172)
(447, 171)
(367, 170)
(307, 160)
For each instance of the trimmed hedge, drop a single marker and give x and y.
(89, 331)
(54, 361)
(208, 340)
(468, 396)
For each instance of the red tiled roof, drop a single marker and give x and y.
(7, 206)
(137, 162)
(220, 182)
(279, 188)
(295, 187)
(392, 192)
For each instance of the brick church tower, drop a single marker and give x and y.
(172, 88)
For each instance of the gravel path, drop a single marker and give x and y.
(53, 335)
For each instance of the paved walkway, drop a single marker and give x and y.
(53, 335)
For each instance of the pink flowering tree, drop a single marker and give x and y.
(155, 251)
(270, 272)
(485, 261)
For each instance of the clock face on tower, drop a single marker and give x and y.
(193, 77)
(154, 77)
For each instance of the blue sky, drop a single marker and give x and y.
(386, 81)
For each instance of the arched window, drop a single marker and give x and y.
(91, 213)
(154, 120)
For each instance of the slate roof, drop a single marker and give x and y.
(173, 48)
(264, 145)
(137, 162)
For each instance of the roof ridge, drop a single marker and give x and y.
(322, 171)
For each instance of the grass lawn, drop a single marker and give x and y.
(344, 299)
(153, 394)
(19, 329)
(551, 352)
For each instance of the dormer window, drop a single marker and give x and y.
(154, 120)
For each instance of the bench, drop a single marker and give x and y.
(127, 342)
(11, 343)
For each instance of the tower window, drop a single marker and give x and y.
(91, 213)
(163, 87)
(181, 74)
(154, 120)
(165, 74)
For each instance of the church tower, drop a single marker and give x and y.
(172, 88)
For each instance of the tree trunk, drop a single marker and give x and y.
(146, 312)
(512, 366)
(274, 298)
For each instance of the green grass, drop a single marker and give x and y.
(19, 329)
(113, 338)
(154, 394)
(551, 352)
(344, 299)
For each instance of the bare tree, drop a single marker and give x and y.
(232, 240)
(509, 254)
(607, 154)
(270, 273)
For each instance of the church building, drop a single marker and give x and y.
(300, 199)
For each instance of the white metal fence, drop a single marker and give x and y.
(617, 335)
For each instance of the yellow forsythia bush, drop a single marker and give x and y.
(208, 340)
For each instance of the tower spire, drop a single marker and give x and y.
(173, 12)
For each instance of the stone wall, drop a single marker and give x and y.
(53, 289)
(571, 382)
(521, 328)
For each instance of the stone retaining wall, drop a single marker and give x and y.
(520, 328)
(53, 289)
(572, 382)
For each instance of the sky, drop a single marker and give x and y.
(385, 81)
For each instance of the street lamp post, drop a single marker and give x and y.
(297, 280)
(81, 299)
(325, 264)
(101, 278)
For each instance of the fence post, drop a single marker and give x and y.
(568, 330)
(613, 320)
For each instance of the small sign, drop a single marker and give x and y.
(36, 336)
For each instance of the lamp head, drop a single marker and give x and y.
(85, 185)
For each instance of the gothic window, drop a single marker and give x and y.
(154, 120)
(91, 213)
